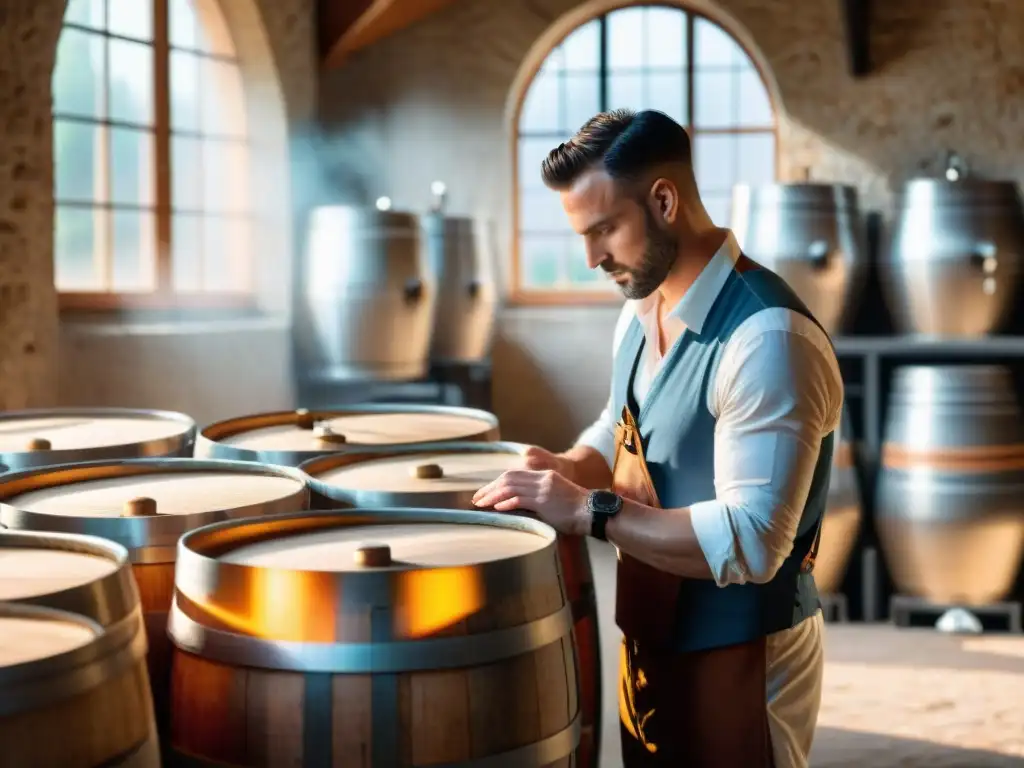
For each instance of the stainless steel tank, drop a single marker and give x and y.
(461, 261)
(809, 234)
(950, 499)
(953, 260)
(843, 515)
(366, 302)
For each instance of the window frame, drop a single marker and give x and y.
(163, 296)
(520, 295)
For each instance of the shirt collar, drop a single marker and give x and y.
(693, 309)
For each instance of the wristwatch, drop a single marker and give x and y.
(602, 506)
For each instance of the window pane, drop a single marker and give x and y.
(214, 36)
(714, 47)
(583, 47)
(131, 82)
(714, 100)
(184, 77)
(755, 107)
(625, 38)
(78, 75)
(225, 254)
(718, 208)
(541, 211)
(714, 160)
(555, 61)
(224, 176)
(666, 37)
(186, 173)
(625, 91)
(131, 167)
(183, 26)
(134, 251)
(541, 108)
(577, 270)
(531, 154)
(582, 100)
(78, 150)
(75, 231)
(87, 13)
(186, 252)
(223, 108)
(131, 18)
(666, 92)
(756, 161)
(542, 260)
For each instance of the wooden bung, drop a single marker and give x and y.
(38, 444)
(325, 434)
(428, 472)
(304, 419)
(140, 506)
(373, 556)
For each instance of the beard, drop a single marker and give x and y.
(659, 257)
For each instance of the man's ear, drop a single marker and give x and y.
(664, 200)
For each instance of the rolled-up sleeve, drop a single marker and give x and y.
(776, 394)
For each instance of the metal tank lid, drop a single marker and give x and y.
(797, 195)
(973, 192)
(364, 215)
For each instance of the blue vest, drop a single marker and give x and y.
(678, 432)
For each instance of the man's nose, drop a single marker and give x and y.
(595, 256)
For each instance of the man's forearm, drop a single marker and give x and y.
(661, 538)
(589, 468)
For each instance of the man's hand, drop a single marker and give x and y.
(538, 458)
(556, 500)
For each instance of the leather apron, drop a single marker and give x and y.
(703, 709)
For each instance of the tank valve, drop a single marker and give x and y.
(956, 168)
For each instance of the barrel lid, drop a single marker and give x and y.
(451, 468)
(78, 429)
(145, 503)
(408, 545)
(797, 195)
(968, 192)
(27, 572)
(28, 634)
(97, 494)
(290, 437)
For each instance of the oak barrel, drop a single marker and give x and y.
(445, 476)
(384, 638)
(145, 505)
(293, 437)
(72, 693)
(46, 436)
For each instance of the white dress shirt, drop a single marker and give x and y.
(777, 392)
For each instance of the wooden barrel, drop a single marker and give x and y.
(445, 476)
(373, 639)
(293, 437)
(47, 436)
(72, 693)
(145, 505)
(79, 574)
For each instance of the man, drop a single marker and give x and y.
(729, 392)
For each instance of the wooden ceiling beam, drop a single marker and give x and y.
(346, 26)
(857, 23)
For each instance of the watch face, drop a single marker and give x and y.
(604, 501)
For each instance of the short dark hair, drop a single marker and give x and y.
(626, 143)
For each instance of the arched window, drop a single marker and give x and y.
(640, 57)
(150, 156)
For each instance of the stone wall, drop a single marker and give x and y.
(28, 302)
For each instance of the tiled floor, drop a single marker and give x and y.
(892, 699)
